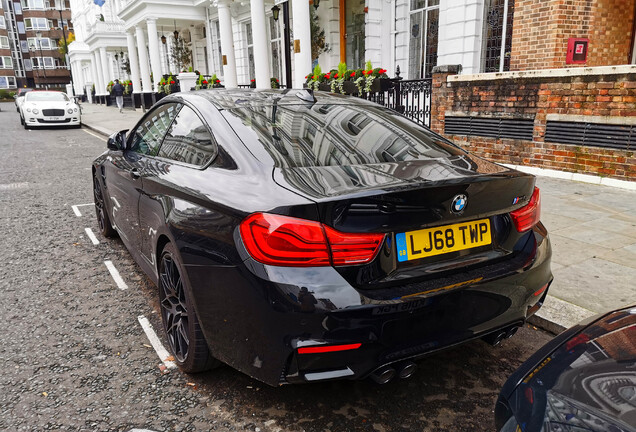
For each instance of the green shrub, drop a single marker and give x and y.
(6, 95)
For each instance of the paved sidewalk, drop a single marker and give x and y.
(593, 234)
(592, 228)
(107, 120)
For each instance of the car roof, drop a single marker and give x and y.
(240, 98)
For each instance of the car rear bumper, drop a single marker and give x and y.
(255, 317)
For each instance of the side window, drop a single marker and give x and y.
(147, 138)
(189, 140)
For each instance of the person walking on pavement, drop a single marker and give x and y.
(118, 91)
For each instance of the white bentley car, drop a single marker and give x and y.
(49, 108)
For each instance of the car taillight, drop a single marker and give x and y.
(528, 216)
(287, 241)
(328, 348)
(348, 248)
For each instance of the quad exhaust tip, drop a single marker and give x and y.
(404, 370)
(407, 370)
(495, 339)
(383, 375)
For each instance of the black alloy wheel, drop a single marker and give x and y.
(180, 322)
(105, 227)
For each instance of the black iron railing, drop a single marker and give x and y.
(411, 98)
(246, 86)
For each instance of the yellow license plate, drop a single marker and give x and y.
(440, 240)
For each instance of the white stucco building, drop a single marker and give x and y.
(242, 41)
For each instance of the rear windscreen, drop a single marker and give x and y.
(331, 135)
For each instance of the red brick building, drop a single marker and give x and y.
(541, 30)
(29, 41)
(545, 111)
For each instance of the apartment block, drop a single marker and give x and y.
(30, 35)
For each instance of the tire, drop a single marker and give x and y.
(103, 220)
(180, 323)
(21, 121)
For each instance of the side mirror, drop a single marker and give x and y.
(117, 141)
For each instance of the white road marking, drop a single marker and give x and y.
(115, 274)
(96, 136)
(89, 233)
(156, 343)
(76, 209)
(13, 186)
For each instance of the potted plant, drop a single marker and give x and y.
(202, 83)
(325, 84)
(171, 86)
(162, 85)
(377, 80)
(252, 83)
(339, 78)
(352, 81)
(274, 83)
(216, 83)
(314, 79)
(109, 87)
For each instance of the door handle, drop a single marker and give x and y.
(134, 173)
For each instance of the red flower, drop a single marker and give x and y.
(382, 71)
(205, 82)
(218, 81)
(276, 79)
(353, 74)
(252, 80)
(313, 77)
(306, 76)
(327, 76)
(336, 75)
(171, 82)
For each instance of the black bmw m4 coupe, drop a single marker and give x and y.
(301, 237)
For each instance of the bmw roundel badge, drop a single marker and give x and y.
(459, 203)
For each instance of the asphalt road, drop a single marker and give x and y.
(74, 356)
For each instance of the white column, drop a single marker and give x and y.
(171, 67)
(153, 48)
(105, 67)
(75, 76)
(208, 42)
(78, 77)
(164, 59)
(302, 34)
(94, 76)
(146, 85)
(100, 87)
(134, 62)
(261, 53)
(227, 44)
